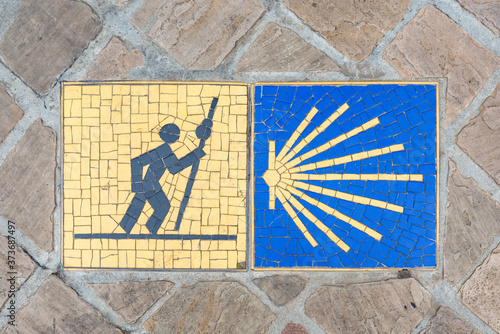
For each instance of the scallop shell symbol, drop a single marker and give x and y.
(288, 179)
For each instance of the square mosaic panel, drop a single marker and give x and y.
(154, 175)
(345, 176)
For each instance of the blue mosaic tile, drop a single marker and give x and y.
(345, 176)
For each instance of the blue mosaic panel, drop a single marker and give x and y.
(345, 176)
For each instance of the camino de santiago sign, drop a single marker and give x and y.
(345, 175)
(155, 175)
(173, 175)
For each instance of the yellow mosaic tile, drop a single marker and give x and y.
(154, 175)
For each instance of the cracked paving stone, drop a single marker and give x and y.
(281, 289)
(476, 138)
(280, 49)
(432, 45)
(294, 329)
(393, 306)
(45, 39)
(352, 27)
(10, 113)
(481, 292)
(131, 299)
(446, 321)
(198, 34)
(56, 308)
(212, 307)
(24, 266)
(27, 182)
(487, 11)
(471, 224)
(114, 61)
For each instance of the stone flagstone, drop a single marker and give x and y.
(27, 182)
(487, 11)
(114, 61)
(46, 38)
(56, 308)
(280, 49)
(394, 306)
(477, 137)
(281, 289)
(471, 224)
(352, 27)
(211, 307)
(294, 329)
(481, 292)
(198, 34)
(10, 113)
(23, 267)
(446, 321)
(432, 45)
(131, 299)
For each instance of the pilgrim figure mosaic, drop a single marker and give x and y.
(155, 175)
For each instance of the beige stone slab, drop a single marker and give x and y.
(281, 289)
(144, 14)
(114, 61)
(478, 139)
(487, 11)
(481, 292)
(198, 34)
(56, 308)
(131, 299)
(432, 45)
(46, 38)
(280, 49)
(10, 113)
(353, 27)
(394, 306)
(23, 266)
(446, 321)
(27, 182)
(212, 307)
(294, 329)
(471, 224)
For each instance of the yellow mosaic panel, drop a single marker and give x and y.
(108, 128)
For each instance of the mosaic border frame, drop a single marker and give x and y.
(145, 82)
(251, 187)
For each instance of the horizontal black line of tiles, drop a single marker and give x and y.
(155, 236)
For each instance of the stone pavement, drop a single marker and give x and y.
(453, 42)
